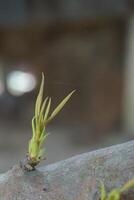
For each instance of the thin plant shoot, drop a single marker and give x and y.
(41, 118)
(115, 194)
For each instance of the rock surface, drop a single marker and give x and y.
(77, 178)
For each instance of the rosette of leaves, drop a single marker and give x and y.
(115, 194)
(42, 117)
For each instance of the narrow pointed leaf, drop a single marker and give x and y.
(47, 111)
(43, 106)
(103, 192)
(33, 126)
(39, 98)
(59, 107)
(127, 186)
(114, 195)
(42, 111)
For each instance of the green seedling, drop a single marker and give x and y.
(41, 118)
(115, 194)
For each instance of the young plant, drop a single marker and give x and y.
(115, 194)
(41, 118)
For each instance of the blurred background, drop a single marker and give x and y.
(83, 45)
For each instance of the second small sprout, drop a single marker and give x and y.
(115, 194)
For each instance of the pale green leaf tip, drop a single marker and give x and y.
(59, 107)
(102, 191)
(43, 76)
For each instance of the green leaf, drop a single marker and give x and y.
(59, 107)
(43, 106)
(47, 111)
(127, 186)
(41, 112)
(33, 126)
(103, 191)
(114, 195)
(39, 98)
(34, 149)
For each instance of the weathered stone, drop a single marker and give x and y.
(77, 178)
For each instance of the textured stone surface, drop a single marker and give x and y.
(77, 178)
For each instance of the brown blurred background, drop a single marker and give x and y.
(83, 45)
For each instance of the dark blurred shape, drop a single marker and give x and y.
(20, 12)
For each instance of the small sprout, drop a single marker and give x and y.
(129, 185)
(115, 194)
(39, 122)
(103, 191)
